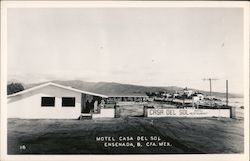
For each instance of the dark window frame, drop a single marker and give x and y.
(48, 104)
(68, 104)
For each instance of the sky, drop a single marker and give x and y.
(144, 46)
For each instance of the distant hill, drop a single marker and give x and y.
(112, 88)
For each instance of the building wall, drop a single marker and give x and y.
(105, 113)
(28, 105)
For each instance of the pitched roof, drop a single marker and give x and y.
(57, 85)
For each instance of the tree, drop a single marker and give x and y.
(14, 88)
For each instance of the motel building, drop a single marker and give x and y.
(55, 101)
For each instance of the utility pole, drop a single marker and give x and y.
(210, 87)
(227, 93)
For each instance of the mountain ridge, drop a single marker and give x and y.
(114, 88)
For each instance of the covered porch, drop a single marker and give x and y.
(95, 106)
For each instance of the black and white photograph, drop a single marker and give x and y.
(125, 80)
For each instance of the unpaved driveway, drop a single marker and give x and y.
(186, 135)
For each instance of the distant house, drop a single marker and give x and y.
(166, 95)
(198, 97)
(54, 101)
(188, 92)
(175, 95)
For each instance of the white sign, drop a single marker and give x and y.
(188, 112)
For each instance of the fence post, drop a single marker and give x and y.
(232, 112)
(115, 110)
(145, 111)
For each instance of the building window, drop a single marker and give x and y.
(48, 101)
(68, 101)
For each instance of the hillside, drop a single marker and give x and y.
(111, 88)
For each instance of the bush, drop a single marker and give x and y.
(14, 88)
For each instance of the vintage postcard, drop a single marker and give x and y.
(124, 80)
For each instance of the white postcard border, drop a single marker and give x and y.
(110, 4)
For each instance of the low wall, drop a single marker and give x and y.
(153, 112)
(105, 113)
(130, 103)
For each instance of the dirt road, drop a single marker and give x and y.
(181, 135)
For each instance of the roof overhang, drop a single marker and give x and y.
(57, 85)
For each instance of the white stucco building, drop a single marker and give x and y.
(54, 101)
(188, 92)
(198, 97)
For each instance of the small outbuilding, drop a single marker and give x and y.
(55, 101)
